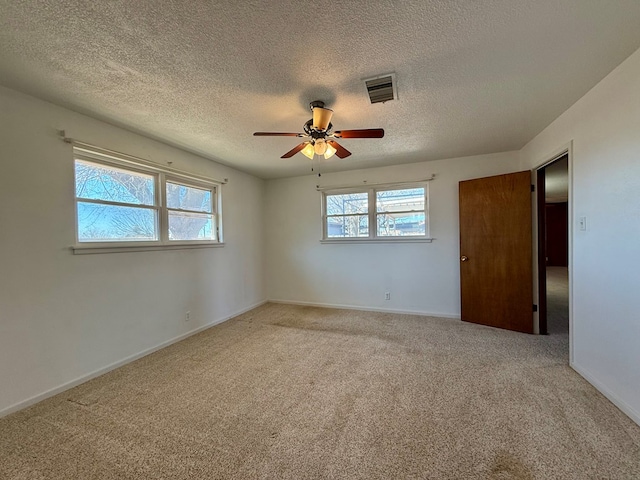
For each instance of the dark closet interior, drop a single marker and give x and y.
(557, 229)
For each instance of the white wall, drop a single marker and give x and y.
(64, 316)
(605, 129)
(422, 277)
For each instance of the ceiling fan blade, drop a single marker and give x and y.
(277, 134)
(365, 133)
(321, 118)
(294, 150)
(341, 152)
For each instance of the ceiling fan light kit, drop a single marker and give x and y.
(308, 151)
(320, 137)
(330, 151)
(320, 146)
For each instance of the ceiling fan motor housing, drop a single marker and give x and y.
(310, 130)
(321, 116)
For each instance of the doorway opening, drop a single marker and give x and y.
(553, 246)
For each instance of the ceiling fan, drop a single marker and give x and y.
(320, 136)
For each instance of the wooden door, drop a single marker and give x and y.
(496, 277)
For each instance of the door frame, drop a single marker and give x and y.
(539, 282)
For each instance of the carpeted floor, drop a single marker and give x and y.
(290, 392)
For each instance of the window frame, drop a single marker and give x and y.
(372, 214)
(161, 176)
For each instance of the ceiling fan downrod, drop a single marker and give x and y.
(316, 104)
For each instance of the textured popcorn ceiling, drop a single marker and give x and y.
(474, 77)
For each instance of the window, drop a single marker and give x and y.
(114, 204)
(347, 215)
(121, 203)
(393, 213)
(401, 212)
(190, 212)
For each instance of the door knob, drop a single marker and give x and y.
(464, 258)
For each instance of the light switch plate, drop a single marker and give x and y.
(582, 222)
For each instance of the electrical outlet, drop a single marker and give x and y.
(387, 295)
(187, 316)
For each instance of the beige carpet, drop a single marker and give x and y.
(293, 392)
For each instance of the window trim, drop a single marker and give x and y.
(160, 177)
(372, 214)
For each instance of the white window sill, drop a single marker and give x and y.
(92, 249)
(377, 240)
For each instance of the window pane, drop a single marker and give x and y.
(400, 200)
(102, 182)
(352, 226)
(401, 224)
(347, 203)
(188, 198)
(190, 226)
(110, 223)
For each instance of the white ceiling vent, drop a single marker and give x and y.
(382, 88)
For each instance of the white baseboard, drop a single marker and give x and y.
(101, 371)
(368, 309)
(612, 397)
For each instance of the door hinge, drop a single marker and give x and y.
(535, 308)
(533, 188)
